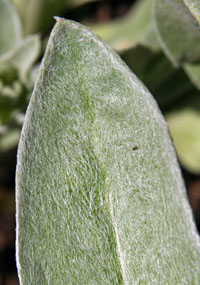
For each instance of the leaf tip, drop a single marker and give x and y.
(58, 19)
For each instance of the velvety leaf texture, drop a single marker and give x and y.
(100, 198)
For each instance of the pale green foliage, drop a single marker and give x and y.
(15, 78)
(18, 56)
(9, 139)
(178, 31)
(100, 198)
(183, 126)
(23, 55)
(136, 27)
(10, 31)
(37, 15)
(193, 71)
(134, 35)
(148, 42)
(16, 60)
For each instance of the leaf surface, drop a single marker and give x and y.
(100, 198)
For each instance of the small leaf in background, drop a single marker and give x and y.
(178, 31)
(135, 27)
(37, 15)
(15, 86)
(100, 198)
(10, 31)
(8, 73)
(185, 129)
(10, 139)
(23, 55)
(75, 3)
(193, 72)
(10, 91)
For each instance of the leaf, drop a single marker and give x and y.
(8, 73)
(100, 198)
(12, 98)
(135, 27)
(184, 126)
(75, 3)
(37, 15)
(178, 31)
(9, 140)
(10, 31)
(23, 55)
(193, 72)
(15, 81)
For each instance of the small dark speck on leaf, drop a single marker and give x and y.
(135, 148)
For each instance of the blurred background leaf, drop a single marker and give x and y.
(37, 15)
(23, 55)
(178, 31)
(135, 27)
(184, 124)
(193, 71)
(10, 31)
(184, 127)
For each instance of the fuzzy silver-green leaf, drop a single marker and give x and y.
(100, 198)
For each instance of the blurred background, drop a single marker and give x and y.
(136, 33)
